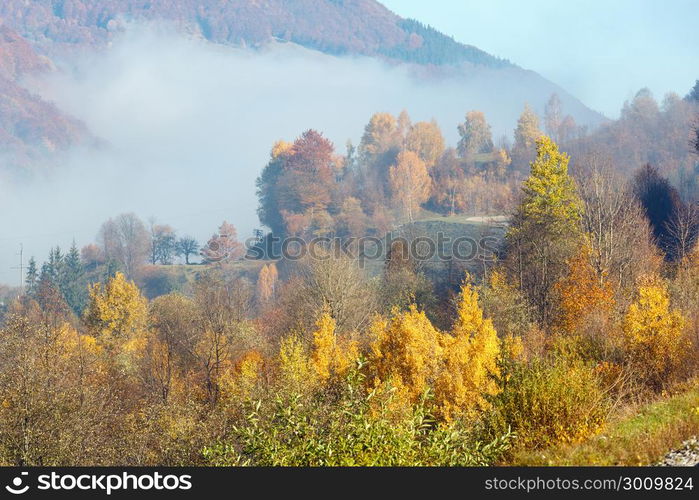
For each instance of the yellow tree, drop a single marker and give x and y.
(526, 134)
(116, 309)
(653, 334)
(295, 370)
(476, 136)
(410, 183)
(470, 361)
(280, 148)
(380, 135)
(426, 140)
(266, 283)
(406, 352)
(330, 356)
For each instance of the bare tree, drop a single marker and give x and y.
(682, 229)
(125, 240)
(619, 232)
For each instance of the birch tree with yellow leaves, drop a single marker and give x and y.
(410, 183)
(653, 333)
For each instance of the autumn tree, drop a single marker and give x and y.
(475, 134)
(410, 183)
(352, 220)
(91, 256)
(327, 279)
(299, 181)
(653, 333)
(618, 231)
(116, 310)
(224, 245)
(582, 293)
(381, 142)
(545, 230)
(381, 135)
(406, 352)
(175, 321)
(309, 172)
(125, 241)
(526, 135)
(553, 117)
(331, 355)
(52, 396)
(425, 139)
(224, 306)
(505, 305)
(468, 376)
(266, 283)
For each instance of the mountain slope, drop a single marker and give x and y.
(361, 27)
(66, 29)
(29, 126)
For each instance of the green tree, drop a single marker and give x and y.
(545, 231)
(71, 282)
(32, 276)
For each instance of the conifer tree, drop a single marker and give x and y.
(32, 277)
(71, 282)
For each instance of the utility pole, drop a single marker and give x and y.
(21, 269)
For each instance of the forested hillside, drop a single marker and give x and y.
(360, 27)
(29, 126)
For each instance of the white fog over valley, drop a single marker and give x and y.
(193, 122)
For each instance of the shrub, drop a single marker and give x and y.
(654, 339)
(348, 429)
(550, 401)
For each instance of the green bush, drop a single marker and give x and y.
(352, 430)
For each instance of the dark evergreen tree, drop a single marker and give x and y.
(72, 281)
(694, 93)
(660, 201)
(32, 277)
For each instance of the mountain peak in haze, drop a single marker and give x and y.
(337, 27)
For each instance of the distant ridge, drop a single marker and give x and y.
(338, 27)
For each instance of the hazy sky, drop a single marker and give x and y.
(602, 51)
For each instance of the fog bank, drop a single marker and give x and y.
(187, 126)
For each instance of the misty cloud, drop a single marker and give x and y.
(188, 125)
